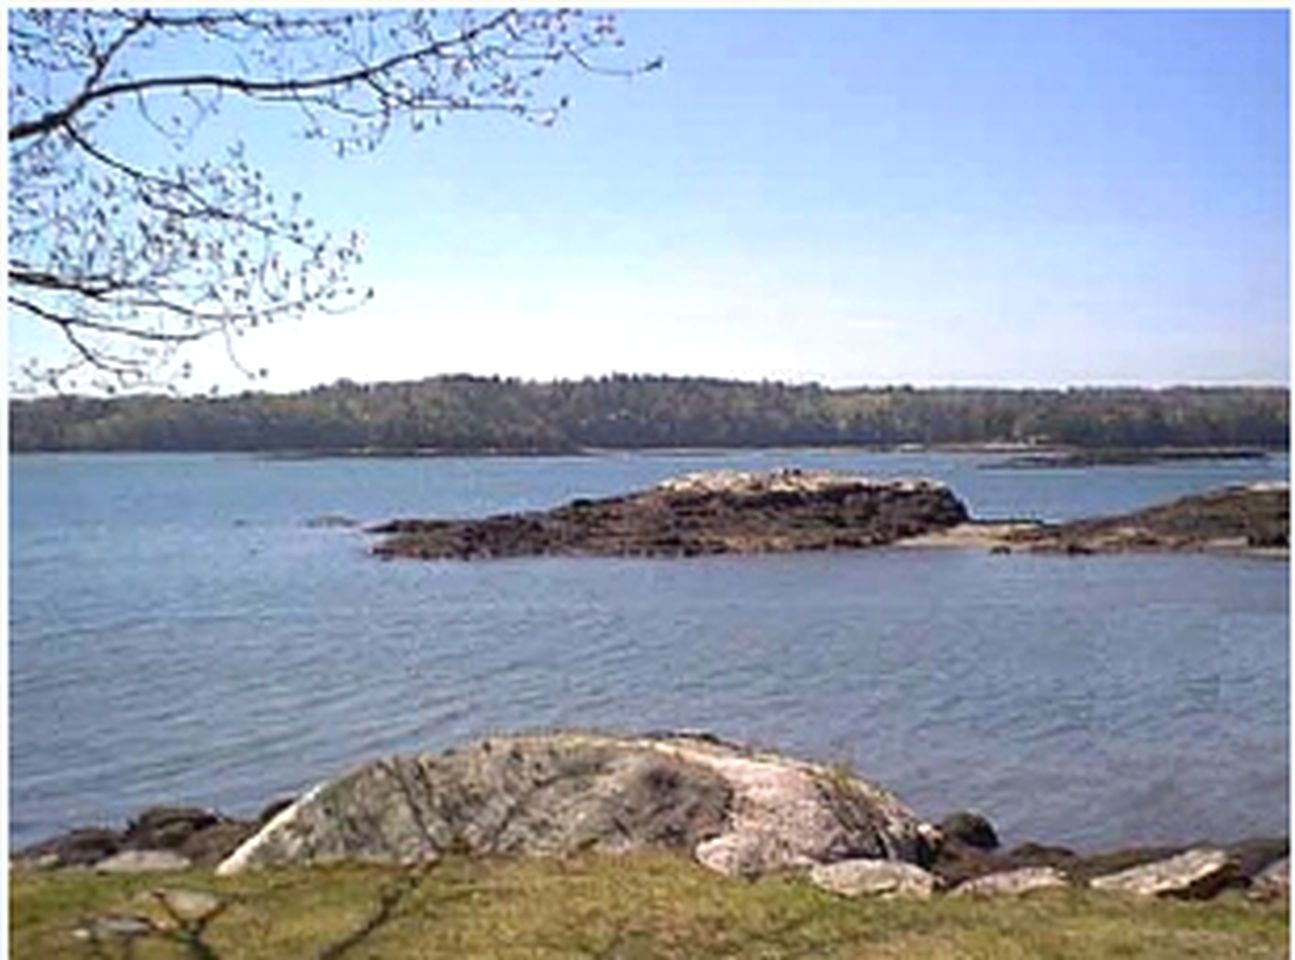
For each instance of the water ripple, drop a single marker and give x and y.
(161, 653)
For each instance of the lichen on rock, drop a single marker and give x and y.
(736, 810)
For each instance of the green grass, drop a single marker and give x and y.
(624, 907)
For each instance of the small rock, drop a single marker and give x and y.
(166, 828)
(187, 906)
(76, 848)
(1041, 854)
(115, 926)
(1273, 881)
(273, 809)
(35, 861)
(1082, 869)
(970, 828)
(1196, 874)
(143, 861)
(328, 520)
(1253, 854)
(208, 847)
(1013, 883)
(876, 878)
(956, 862)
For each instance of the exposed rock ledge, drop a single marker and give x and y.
(702, 513)
(1252, 518)
(788, 510)
(736, 810)
(1249, 519)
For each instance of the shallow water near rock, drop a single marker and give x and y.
(180, 632)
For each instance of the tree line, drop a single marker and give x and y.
(484, 414)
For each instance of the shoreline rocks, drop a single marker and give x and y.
(1086, 458)
(189, 836)
(733, 809)
(717, 512)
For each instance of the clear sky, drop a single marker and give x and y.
(853, 197)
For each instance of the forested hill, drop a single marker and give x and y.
(460, 413)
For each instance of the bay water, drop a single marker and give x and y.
(182, 632)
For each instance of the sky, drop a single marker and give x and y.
(1019, 198)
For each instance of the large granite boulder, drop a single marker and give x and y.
(736, 810)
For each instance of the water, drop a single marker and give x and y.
(179, 633)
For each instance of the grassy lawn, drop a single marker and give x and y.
(622, 907)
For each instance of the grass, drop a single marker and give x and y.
(639, 906)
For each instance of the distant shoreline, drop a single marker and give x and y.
(1027, 456)
(562, 417)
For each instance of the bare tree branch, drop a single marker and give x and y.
(270, 89)
(131, 256)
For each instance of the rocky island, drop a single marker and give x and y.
(702, 513)
(789, 510)
(1253, 518)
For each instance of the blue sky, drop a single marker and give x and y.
(850, 196)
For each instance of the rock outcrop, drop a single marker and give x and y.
(789, 510)
(736, 810)
(1244, 518)
(703, 513)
